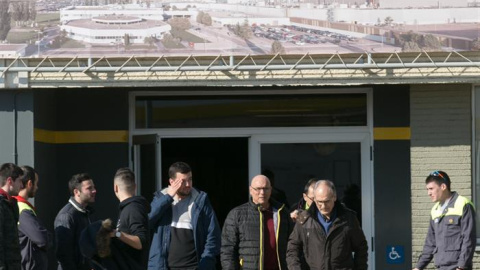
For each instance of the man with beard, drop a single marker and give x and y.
(71, 220)
(10, 183)
(186, 231)
(34, 238)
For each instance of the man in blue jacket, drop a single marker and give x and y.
(186, 233)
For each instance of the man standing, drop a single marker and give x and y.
(451, 237)
(329, 235)
(10, 183)
(186, 230)
(255, 234)
(306, 201)
(34, 238)
(71, 220)
(132, 226)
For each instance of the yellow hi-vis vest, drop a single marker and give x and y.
(456, 210)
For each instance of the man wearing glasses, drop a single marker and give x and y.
(328, 235)
(255, 234)
(451, 236)
(306, 201)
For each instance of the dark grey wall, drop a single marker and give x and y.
(392, 177)
(78, 110)
(20, 102)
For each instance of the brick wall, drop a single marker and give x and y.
(440, 118)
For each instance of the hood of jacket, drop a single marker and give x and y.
(135, 200)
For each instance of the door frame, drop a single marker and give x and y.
(257, 136)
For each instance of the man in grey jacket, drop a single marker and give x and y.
(451, 237)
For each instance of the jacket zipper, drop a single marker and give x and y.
(261, 240)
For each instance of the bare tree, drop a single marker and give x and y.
(180, 23)
(277, 47)
(4, 19)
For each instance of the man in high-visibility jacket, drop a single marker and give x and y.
(451, 237)
(34, 237)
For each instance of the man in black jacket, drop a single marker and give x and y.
(71, 220)
(306, 201)
(255, 234)
(329, 235)
(34, 237)
(10, 184)
(132, 231)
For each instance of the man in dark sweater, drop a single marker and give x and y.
(34, 237)
(71, 220)
(132, 234)
(10, 184)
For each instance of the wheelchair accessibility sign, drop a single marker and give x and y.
(395, 255)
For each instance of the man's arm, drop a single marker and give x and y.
(359, 246)
(469, 237)
(65, 243)
(2, 236)
(295, 248)
(229, 251)
(160, 204)
(213, 241)
(33, 229)
(428, 248)
(137, 236)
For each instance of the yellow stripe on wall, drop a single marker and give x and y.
(397, 133)
(98, 136)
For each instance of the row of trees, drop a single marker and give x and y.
(414, 42)
(21, 12)
(244, 31)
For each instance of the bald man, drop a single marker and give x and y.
(253, 232)
(338, 241)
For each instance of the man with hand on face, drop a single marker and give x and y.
(71, 220)
(327, 235)
(186, 233)
(34, 237)
(255, 234)
(451, 236)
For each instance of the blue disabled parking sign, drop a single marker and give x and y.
(395, 255)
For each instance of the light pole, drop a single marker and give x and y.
(38, 44)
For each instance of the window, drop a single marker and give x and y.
(252, 111)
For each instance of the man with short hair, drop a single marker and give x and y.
(34, 237)
(10, 185)
(451, 237)
(132, 226)
(71, 220)
(186, 231)
(306, 200)
(328, 236)
(255, 234)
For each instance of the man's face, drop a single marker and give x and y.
(260, 190)
(87, 192)
(32, 190)
(436, 192)
(325, 200)
(17, 185)
(309, 196)
(187, 181)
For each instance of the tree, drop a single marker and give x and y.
(207, 20)
(4, 19)
(33, 11)
(200, 16)
(126, 39)
(244, 31)
(149, 40)
(431, 43)
(476, 44)
(277, 47)
(180, 23)
(388, 21)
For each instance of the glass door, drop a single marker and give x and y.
(292, 159)
(146, 162)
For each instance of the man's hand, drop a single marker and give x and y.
(174, 187)
(416, 269)
(294, 215)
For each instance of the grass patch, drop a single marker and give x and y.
(21, 37)
(47, 17)
(170, 44)
(186, 36)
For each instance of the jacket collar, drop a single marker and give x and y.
(77, 206)
(4, 194)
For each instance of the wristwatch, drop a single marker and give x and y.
(118, 234)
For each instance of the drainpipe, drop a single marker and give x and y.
(15, 123)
